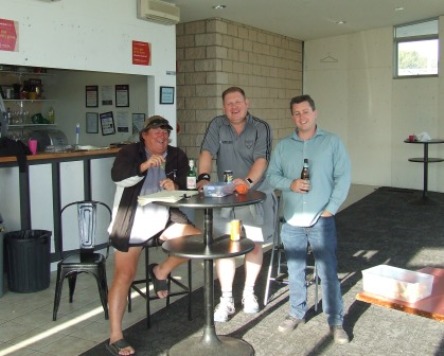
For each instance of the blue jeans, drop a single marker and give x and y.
(322, 239)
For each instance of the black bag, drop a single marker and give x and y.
(9, 147)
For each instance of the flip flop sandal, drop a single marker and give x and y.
(117, 346)
(159, 285)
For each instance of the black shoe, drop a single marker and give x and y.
(339, 334)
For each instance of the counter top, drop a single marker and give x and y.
(44, 156)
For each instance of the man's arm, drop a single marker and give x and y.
(204, 167)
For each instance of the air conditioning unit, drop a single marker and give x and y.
(158, 11)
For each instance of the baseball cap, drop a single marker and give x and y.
(156, 121)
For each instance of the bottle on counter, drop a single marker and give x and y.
(51, 115)
(305, 173)
(191, 176)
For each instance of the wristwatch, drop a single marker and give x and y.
(250, 182)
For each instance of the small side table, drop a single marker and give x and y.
(425, 160)
(208, 248)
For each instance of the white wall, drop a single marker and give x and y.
(93, 36)
(358, 98)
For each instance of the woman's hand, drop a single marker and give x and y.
(167, 184)
(153, 161)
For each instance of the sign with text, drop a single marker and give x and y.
(8, 35)
(141, 53)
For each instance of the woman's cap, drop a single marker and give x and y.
(155, 122)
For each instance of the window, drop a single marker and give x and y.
(416, 49)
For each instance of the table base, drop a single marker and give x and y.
(223, 345)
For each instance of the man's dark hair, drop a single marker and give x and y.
(233, 90)
(300, 99)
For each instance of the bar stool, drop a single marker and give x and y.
(277, 271)
(183, 289)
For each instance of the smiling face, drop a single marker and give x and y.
(235, 107)
(156, 140)
(304, 118)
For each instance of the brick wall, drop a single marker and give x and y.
(215, 54)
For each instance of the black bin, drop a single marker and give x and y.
(28, 260)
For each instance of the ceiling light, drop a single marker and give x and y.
(219, 7)
(341, 22)
(400, 8)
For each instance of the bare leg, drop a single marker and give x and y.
(163, 269)
(226, 267)
(124, 272)
(253, 264)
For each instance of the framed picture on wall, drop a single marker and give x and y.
(92, 122)
(122, 96)
(107, 123)
(138, 119)
(167, 95)
(92, 96)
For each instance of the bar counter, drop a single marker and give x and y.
(54, 160)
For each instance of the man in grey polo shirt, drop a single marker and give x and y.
(241, 143)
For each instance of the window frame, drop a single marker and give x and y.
(409, 39)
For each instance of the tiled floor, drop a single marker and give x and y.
(26, 326)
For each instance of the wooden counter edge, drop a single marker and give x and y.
(61, 155)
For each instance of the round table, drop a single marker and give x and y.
(425, 160)
(208, 248)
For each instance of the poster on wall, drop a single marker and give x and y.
(141, 53)
(92, 96)
(107, 123)
(138, 119)
(8, 35)
(92, 122)
(122, 118)
(122, 95)
(106, 94)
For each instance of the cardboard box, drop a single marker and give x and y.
(397, 283)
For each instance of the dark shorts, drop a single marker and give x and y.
(177, 216)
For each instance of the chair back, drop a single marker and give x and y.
(87, 222)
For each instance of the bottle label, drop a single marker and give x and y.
(191, 183)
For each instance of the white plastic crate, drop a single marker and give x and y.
(397, 283)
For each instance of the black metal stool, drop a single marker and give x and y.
(184, 289)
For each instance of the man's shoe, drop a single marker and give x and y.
(339, 334)
(251, 306)
(289, 324)
(224, 310)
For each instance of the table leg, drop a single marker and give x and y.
(210, 343)
(426, 170)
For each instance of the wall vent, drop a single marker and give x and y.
(158, 11)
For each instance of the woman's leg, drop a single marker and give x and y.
(124, 271)
(164, 268)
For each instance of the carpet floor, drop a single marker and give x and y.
(386, 227)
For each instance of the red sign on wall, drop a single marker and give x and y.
(8, 35)
(141, 53)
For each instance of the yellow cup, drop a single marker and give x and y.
(235, 230)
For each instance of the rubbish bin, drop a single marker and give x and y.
(28, 260)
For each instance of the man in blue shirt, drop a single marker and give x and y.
(309, 207)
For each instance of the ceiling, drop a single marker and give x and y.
(312, 19)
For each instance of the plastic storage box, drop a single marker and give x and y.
(397, 283)
(218, 190)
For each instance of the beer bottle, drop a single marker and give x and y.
(305, 173)
(191, 176)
